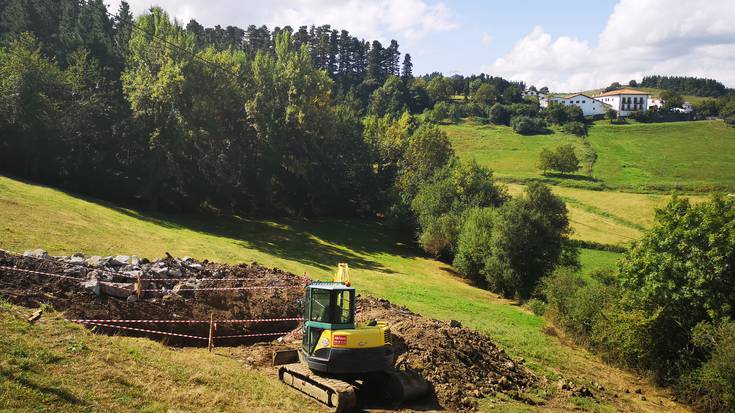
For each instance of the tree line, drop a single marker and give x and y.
(686, 85)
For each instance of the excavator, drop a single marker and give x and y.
(338, 356)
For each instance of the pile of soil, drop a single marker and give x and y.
(78, 301)
(461, 364)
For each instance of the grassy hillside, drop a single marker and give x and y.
(56, 366)
(687, 155)
(507, 153)
(383, 265)
(692, 156)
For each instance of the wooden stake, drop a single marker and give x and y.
(211, 331)
(139, 287)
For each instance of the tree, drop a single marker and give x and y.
(441, 204)
(499, 114)
(123, 27)
(680, 274)
(407, 68)
(485, 94)
(391, 98)
(633, 83)
(428, 149)
(516, 245)
(555, 113)
(575, 128)
(544, 90)
(611, 114)
(562, 159)
(671, 100)
(613, 86)
(512, 94)
(526, 125)
(440, 89)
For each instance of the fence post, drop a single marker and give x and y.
(139, 287)
(211, 331)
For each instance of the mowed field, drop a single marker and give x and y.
(383, 263)
(689, 156)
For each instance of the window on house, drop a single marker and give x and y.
(584, 101)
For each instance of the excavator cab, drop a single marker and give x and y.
(333, 342)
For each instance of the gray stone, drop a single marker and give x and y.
(120, 260)
(196, 266)
(174, 272)
(135, 260)
(120, 290)
(94, 261)
(75, 259)
(92, 285)
(159, 270)
(78, 254)
(37, 253)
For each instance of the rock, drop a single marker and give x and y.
(75, 259)
(134, 260)
(37, 253)
(120, 260)
(174, 272)
(120, 290)
(455, 324)
(94, 261)
(133, 298)
(92, 285)
(144, 261)
(196, 267)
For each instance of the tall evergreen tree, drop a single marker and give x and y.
(407, 68)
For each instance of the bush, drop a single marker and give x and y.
(524, 109)
(573, 113)
(513, 247)
(575, 128)
(562, 159)
(711, 388)
(499, 114)
(574, 304)
(528, 126)
(537, 306)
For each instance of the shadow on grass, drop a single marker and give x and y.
(58, 393)
(573, 177)
(318, 242)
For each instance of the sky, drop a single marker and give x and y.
(566, 45)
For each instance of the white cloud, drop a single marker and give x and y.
(679, 37)
(486, 39)
(378, 19)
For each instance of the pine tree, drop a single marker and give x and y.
(123, 27)
(375, 70)
(407, 68)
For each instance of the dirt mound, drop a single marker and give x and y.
(77, 297)
(461, 364)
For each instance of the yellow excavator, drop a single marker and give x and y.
(339, 356)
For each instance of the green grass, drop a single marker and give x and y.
(55, 366)
(695, 156)
(685, 156)
(383, 264)
(507, 153)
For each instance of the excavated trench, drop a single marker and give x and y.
(460, 364)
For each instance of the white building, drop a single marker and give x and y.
(589, 105)
(625, 101)
(685, 108)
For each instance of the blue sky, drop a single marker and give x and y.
(567, 45)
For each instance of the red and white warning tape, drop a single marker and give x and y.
(3, 267)
(165, 333)
(143, 330)
(260, 287)
(282, 333)
(243, 321)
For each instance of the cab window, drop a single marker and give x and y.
(344, 303)
(320, 306)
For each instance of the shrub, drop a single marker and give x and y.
(524, 109)
(711, 388)
(575, 128)
(472, 246)
(562, 159)
(574, 113)
(574, 304)
(537, 306)
(528, 126)
(499, 114)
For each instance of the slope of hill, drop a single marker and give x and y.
(691, 156)
(383, 263)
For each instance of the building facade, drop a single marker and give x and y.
(589, 105)
(625, 101)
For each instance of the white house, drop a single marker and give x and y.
(625, 101)
(589, 105)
